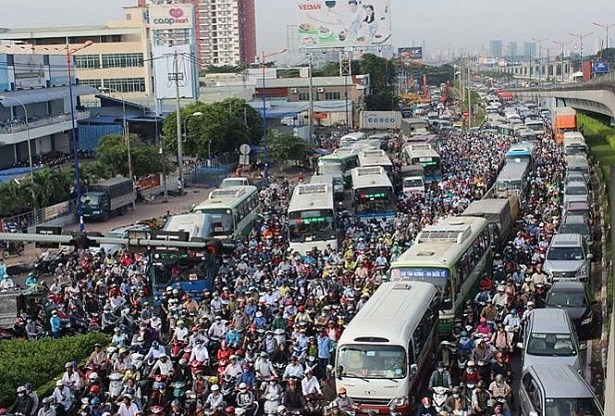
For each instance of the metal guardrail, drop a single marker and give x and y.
(15, 127)
(604, 82)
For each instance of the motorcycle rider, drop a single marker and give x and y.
(247, 376)
(23, 403)
(30, 391)
(465, 345)
(455, 403)
(293, 399)
(470, 375)
(155, 352)
(63, 398)
(199, 353)
(233, 369)
(310, 385)
(344, 403)
(31, 280)
(479, 398)
(71, 378)
(47, 409)
(244, 398)
(163, 366)
(293, 369)
(499, 388)
(214, 400)
(128, 407)
(56, 324)
(98, 358)
(440, 377)
(263, 367)
(426, 408)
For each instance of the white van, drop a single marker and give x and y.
(351, 138)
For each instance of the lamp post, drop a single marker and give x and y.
(263, 65)
(606, 27)
(580, 36)
(25, 112)
(561, 44)
(126, 132)
(69, 53)
(539, 42)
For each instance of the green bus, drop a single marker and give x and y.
(344, 160)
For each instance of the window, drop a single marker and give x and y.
(122, 60)
(126, 84)
(303, 96)
(333, 96)
(424, 330)
(470, 259)
(96, 83)
(87, 61)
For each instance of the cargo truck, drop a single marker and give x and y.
(564, 119)
(106, 198)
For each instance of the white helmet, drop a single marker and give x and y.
(281, 409)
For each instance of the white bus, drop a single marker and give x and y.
(373, 195)
(351, 138)
(384, 354)
(311, 218)
(369, 158)
(426, 156)
(452, 254)
(233, 210)
(512, 179)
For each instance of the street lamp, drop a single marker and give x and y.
(263, 65)
(580, 36)
(606, 27)
(69, 53)
(125, 131)
(195, 114)
(25, 112)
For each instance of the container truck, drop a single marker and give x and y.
(564, 119)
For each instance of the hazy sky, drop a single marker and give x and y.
(442, 24)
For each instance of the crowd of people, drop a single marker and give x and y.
(263, 339)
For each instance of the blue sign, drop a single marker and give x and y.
(600, 68)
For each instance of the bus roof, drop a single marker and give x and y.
(195, 224)
(311, 196)
(226, 197)
(391, 315)
(454, 229)
(422, 152)
(370, 177)
(374, 158)
(513, 170)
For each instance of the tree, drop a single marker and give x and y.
(221, 127)
(382, 81)
(286, 147)
(112, 152)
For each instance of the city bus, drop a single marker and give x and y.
(373, 194)
(513, 179)
(341, 160)
(233, 210)
(384, 355)
(311, 218)
(369, 158)
(426, 156)
(452, 254)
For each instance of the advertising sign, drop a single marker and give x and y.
(380, 120)
(343, 23)
(411, 52)
(176, 16)
(599, 68)
(29, 71)
(165, 73)
(55, 211)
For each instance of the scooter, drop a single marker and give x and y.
(439, 396)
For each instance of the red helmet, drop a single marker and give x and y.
(301, 308)
(230, 410)
(426, 401)
(95, 389)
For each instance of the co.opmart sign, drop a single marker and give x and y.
(177, 16)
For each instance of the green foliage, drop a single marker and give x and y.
(436, 75)
(331, 69)
(382, 81)
(40, 361)
(222, 126)
(112, 157)
(225, 69)
(285, 147)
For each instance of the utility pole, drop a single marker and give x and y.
(539, 42)
(176, 76)
(606, 27)
(580, 36)
(311, 99)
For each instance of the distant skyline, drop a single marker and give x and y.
(444, 25)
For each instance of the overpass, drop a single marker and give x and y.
(596, 96)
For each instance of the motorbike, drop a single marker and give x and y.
(439, 397)
(12, 248)
(272, 401)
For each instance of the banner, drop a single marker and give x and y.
(55, 211)
(149, 182)
(380, 120)
(410, 52)
(343, 23)
(29, 72)
(176, 16)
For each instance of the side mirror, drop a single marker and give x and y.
(414, 368)
(583, 347)
(590, 256)
(520, 345)
(339, 371)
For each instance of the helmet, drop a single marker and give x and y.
(215, 387)
(426, 401)
(229, 410)
(95, 389)
(93, 376)
(471, 363)
(280, 409)
(341, 390)
(243, 386)
(463, 334)
(95, 401)
(21, 389)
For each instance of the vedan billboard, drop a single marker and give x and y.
(344, 23)
(380, 120)
(29, 71)
(175, 16)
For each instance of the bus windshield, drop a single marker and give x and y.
(374, 200)
(373, 361)
(314, 225)
(504, 185)
(221, 221)
(329, 168)
(172, 272)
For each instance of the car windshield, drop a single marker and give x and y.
(565, 253)
(115, 234)
(576, 190)
(413, 183)
(582, 229)
(573, 299)
(372, 361)
(551, 345)
(585, 406)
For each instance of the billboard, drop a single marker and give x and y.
(164, 71)
(600, 68)
(29, 72)
(410, 52)
(175, 16)
(380, 120)
(343, 23)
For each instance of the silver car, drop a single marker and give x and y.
(576, 191)
(568, 258)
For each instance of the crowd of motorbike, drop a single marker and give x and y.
(263, 340)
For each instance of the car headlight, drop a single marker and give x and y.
(398, 402)
(582, 270)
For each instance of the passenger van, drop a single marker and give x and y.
(549, 337)
(568, 258)
(556, 390)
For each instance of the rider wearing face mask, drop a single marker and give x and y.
(23, 403)
(440, 377)
(455, 403)
(426, 408)
(344, 403)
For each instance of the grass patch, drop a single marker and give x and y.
(600, 138)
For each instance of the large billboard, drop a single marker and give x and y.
(165, 72)
(343, 23)
(29, 72)
(172, 16)
(380, 120)
(410, 52)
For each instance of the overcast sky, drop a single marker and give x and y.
(442, 24)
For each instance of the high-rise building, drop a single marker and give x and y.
(495, 48)
(226, 32)
(512, 50)
(529, 50)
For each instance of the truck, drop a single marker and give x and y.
(112, 196)
(414, 126)
(564, 119)
(594, 69)
(499, 213)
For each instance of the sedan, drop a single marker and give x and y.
(577, 299)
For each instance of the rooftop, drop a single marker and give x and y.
(63, 31)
